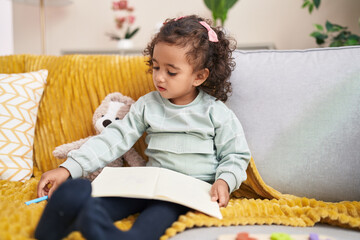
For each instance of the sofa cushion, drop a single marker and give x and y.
(301, 115)
(20, 94)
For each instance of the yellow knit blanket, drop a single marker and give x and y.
(253, 203)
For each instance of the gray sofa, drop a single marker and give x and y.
(300, 110)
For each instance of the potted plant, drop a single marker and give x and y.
(125, 20)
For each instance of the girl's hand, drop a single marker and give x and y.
(220, 192)
(53, 177)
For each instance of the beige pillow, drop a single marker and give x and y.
(20, 96)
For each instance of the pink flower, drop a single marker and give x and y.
(120, 21)
(131, 19)
(120, 5)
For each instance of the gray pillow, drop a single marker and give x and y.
(301, 114)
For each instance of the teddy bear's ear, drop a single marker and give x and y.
(114, 97)
(127, 100)
(118, 97)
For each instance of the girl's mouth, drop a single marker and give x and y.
(161, 89)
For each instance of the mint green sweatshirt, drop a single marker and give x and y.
(203, 139)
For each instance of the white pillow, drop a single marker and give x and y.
(300, 111)
(20, 94)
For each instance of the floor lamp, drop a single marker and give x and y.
(41, 4)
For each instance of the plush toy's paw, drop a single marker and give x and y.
(117, 163)
(93, 175)
(62, 151)
(59, 153)
(133, 158)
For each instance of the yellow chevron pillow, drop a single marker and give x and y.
(20, 96)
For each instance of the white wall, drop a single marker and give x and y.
(6, 28)
(83, 24)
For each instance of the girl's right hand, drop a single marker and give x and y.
(53, 177)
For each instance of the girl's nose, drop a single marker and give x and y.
(159, 77)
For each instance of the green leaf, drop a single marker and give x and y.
(311, 7)
(336, 44)
(319, 41)
(230, 3)
(353, 39)
(354, 36)
(317, 3)
(310, 4)
(129, 34)
(223, 18)
(219, 8)
(306, 3)
(342, 36)
(330, 27)
(319, 37)
(208, 4)
(319, 27)
(113, 36)
(351, 42)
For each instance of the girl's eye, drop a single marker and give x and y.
(171, 73)
(156, 68)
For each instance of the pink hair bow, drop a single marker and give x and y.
(211, 33)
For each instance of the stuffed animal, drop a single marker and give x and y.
(114, 107)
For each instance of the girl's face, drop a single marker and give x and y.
(173, 76)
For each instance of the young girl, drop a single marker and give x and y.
(189, 130)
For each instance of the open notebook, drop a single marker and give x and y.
(156, 183)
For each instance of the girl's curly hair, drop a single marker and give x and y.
(215, 56)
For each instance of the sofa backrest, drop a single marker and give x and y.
(301, 114)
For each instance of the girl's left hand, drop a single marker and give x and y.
(220, 192)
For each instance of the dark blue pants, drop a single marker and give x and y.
(71, 208)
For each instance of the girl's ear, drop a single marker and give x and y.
(201, 76)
